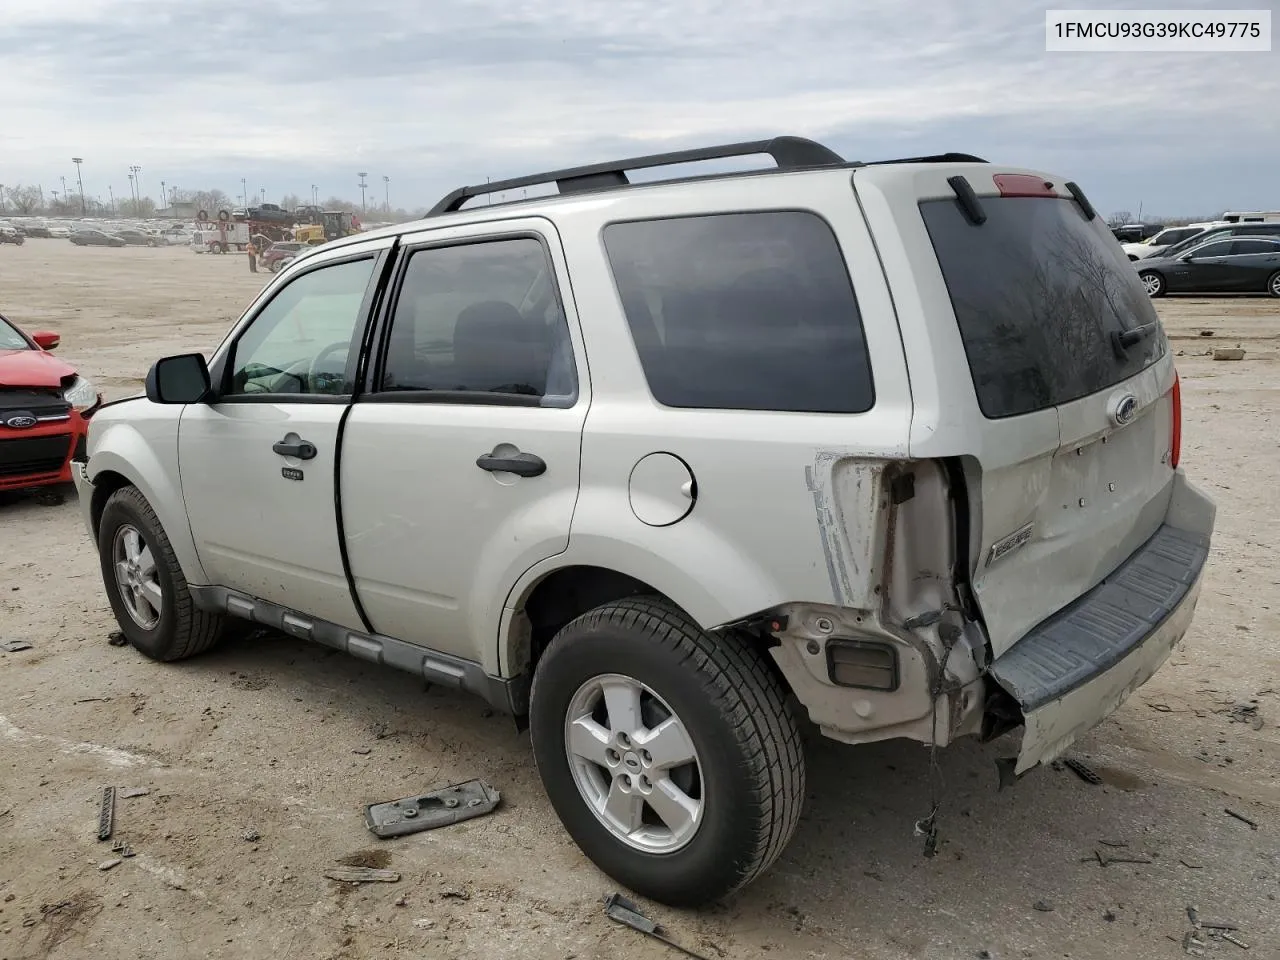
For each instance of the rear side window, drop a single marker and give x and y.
(1038, 291)
(742, 311)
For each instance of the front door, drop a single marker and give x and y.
(258, 463)
(460, 465)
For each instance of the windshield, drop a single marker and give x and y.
(1040, 293)
(10, 338)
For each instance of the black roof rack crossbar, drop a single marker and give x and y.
(788, 152)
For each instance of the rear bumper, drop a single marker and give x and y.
(1075, 668)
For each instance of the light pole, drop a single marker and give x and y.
(386, 193)
(80, 180)
(363, 208)
(164, 194)
(315, 196)
(137, 182)
(133, 194)
(1, 199)
(262, 192)
(112, 194)
(244, 191)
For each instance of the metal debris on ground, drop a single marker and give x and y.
(624, 911)
(1241, 817)
(427, 811)
(1113, 843)
(117, 639)
(1236, 940)
(122, 848)
(1044, 906)
(1206, 333)
(1191, 866)
(1082, 770)
(251, 835)
(362, 875)
(129, 793)
(94, 700)
(107, 813)
(109, 864)
(13, 646)
(1105, 860)
(1228, 353)
(362, 751)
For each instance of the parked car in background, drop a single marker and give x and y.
(799, 477)
(274, 254)
(59, 231)
(35, 228)
(1221, 232)
(44, 409)
(1136, 232)
(138, 238)
(1165, 239)
(1232, 265)
(97, 238)
(9, 234)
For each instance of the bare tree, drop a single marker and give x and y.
(25, 200)
(1120, 218)
(290, 201)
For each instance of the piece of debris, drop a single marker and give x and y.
(1241, 817)
(1206, 333)
(251, 836)
(1109, 916)
(1193, 916)
(427, 811)
(122, 848)
(107, 813)
(1162, 707)
(129, 793)
(1192, 945)
(454, 894)
(624, 911)
(13, 646)
(1236, 940)
(1217, 925)
(363, 751)
(117, 639)
(362, 875)
(1082, 770)
(94, 700)
(1113, 843)
(1043, 906)
(1228, 353)
(424, 923)
(109, 864)
(1190, 866)
(1105, 860)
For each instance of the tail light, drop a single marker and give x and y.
(1175, 432)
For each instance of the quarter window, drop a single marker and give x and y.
(742, 311)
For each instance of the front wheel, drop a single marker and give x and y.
(1273, 284)
(145, 584)
(671, 757)
(1153, 282)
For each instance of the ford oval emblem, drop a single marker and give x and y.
(1125, 409)
(21, 421)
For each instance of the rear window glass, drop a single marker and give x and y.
(1038, 291)
(742, 311)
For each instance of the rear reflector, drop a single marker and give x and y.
(1023, 185)
(1175, 432)
(862, 663)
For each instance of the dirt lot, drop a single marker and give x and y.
(284, 743)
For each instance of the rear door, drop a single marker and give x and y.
(1037, 358)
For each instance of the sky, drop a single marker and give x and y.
(438, 93)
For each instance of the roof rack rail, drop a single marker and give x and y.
(788, 152)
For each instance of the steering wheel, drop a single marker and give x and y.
(314, 368)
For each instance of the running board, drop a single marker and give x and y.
(507, 696)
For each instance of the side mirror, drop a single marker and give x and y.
(46, 339)
(179, 379)
(1187, 258)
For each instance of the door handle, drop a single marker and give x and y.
(302, 449)
(521, 464)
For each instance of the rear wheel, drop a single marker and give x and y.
(145, 584)
(1273, 284)
(1153, 282)
(672, 758)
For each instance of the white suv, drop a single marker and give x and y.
(661, 468)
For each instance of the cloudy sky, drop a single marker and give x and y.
(436, 93)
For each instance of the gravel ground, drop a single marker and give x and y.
(259, 757)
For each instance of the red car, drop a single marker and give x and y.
(44, 410)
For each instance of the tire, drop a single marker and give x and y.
(747, 776)
(179, 630)
(1154, 282)
(1273, 284)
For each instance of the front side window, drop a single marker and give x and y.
(1220, 249)
(480, 318)
(742, 311)
(304, 340)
